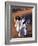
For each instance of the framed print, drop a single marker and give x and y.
(20, 22)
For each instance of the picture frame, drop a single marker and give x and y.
(8, 22)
